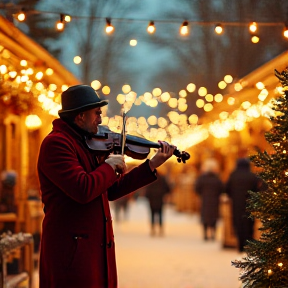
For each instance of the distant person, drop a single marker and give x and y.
(121, 205)
(209, 186)
(155, 193)
(240, 181)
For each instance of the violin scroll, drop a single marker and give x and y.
(182, 156)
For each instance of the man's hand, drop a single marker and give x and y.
(116, 161)
(163, 154)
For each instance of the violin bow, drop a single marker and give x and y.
(123, 133)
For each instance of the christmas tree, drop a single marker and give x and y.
(266, 263)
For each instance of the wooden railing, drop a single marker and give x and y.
(19, 246)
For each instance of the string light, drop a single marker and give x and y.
(60, 23)
(253, 27)
(109, 27)
(21, 16)
(255, 39)
(218, 29)
(285, 32)
(151, 27)
(184, 28)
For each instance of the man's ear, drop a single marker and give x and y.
(79, 117)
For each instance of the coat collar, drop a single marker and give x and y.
(60, 125)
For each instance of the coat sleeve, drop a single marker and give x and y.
(58, 164)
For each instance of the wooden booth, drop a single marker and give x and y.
(31, 82)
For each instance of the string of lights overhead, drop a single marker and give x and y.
(184, 26)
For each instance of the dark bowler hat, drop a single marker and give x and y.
(80, 98)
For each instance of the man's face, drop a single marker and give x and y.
(91, 119)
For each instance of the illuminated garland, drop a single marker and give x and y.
(20, 14)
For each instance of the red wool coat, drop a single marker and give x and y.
(77, 244)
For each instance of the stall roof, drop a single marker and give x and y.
(21, 47)
(249, 92)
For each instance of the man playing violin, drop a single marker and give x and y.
(77, 244)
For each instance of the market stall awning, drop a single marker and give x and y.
(260, 81)
(21, 47)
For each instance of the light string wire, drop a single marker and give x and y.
(15, 9)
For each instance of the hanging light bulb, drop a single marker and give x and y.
(255, 39)
(109, 27)
(67, 18)
(285, 32)
(253, 27)
(184, 28)
(60, 23)
(151, 27)
(21, 16)
(218, 29)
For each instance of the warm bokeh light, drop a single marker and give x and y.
(253, 27)
(39, 75)
(162, 122)
(231, 100)
(202, 91)
(165, 97)
(193, 119)
(23, 63)
(260, 85)
(52, 87)
(222, 84)
(21, 16)
(228, 79)
(285, 32)
(238, 87)
(59, 25)
(218, 98)
(200, 103)
(184, 28)
(208, 107)
(106, 90)
(126, 88)
(147, 96)
(173, 103)
(218, 29)
(49, 71)
(152, 120)
(209, 98)
(246, 105)
(33, 122)
(223, 115)
(133, 42)
(191, 87)
(182, 93)
(109, 27)
(77, 59)
(67, 18)
(263, 94)
(151, 27)
(3, 69)
(255, 39)
(156, 92)
(96, 84)
(120, 99)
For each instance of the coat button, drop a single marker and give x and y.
(109, 244)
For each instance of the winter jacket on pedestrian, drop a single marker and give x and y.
(209, 187)
(240, 181)
(77, 244)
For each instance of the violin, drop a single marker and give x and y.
(107, 141)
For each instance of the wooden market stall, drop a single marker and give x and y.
(246, 104)
(31, 82)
